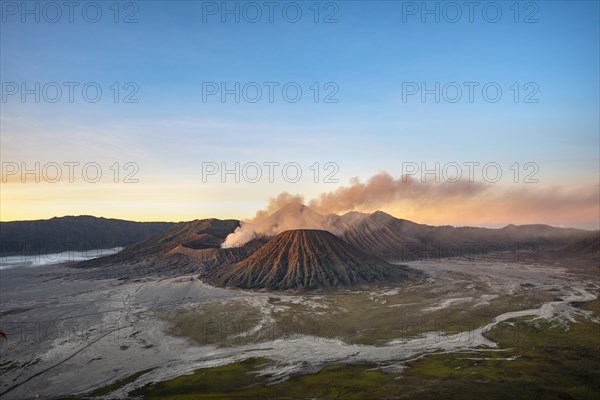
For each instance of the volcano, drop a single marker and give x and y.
(325, 250)
(307, 259)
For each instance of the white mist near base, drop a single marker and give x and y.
(37, 260)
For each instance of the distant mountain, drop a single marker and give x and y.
(307, 259)
(73, 234)
(396, 239)
(587, 246)
(184, 248)
(198, 247)
(197, 234)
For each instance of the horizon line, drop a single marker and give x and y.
(490, 226)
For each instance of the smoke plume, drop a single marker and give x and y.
(468, 202)
(286, 211)
(382, 189)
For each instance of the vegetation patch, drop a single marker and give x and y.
(535, 359)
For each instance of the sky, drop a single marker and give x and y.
(388, 89)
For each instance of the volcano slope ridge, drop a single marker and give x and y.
(308, 259)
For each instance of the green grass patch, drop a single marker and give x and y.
(207, 382)
(221, 324)
(119, 384)
(538, 359)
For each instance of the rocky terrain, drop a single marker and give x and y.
(588, 246)
(201, 247)
(137, 323)
(396, 239)
(185, 248)
(307, 259)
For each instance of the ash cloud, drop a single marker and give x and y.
(382, 189)
(286, 211)
(283, 213)
(468, 202)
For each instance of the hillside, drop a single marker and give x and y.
(395, 239)
(587, 246)
(73, 233)
(184, 248)
(307, 259)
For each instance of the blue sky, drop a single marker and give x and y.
(368, 54)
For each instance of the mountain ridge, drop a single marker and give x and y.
(307, 259)
(73, 233)
(199, 246)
